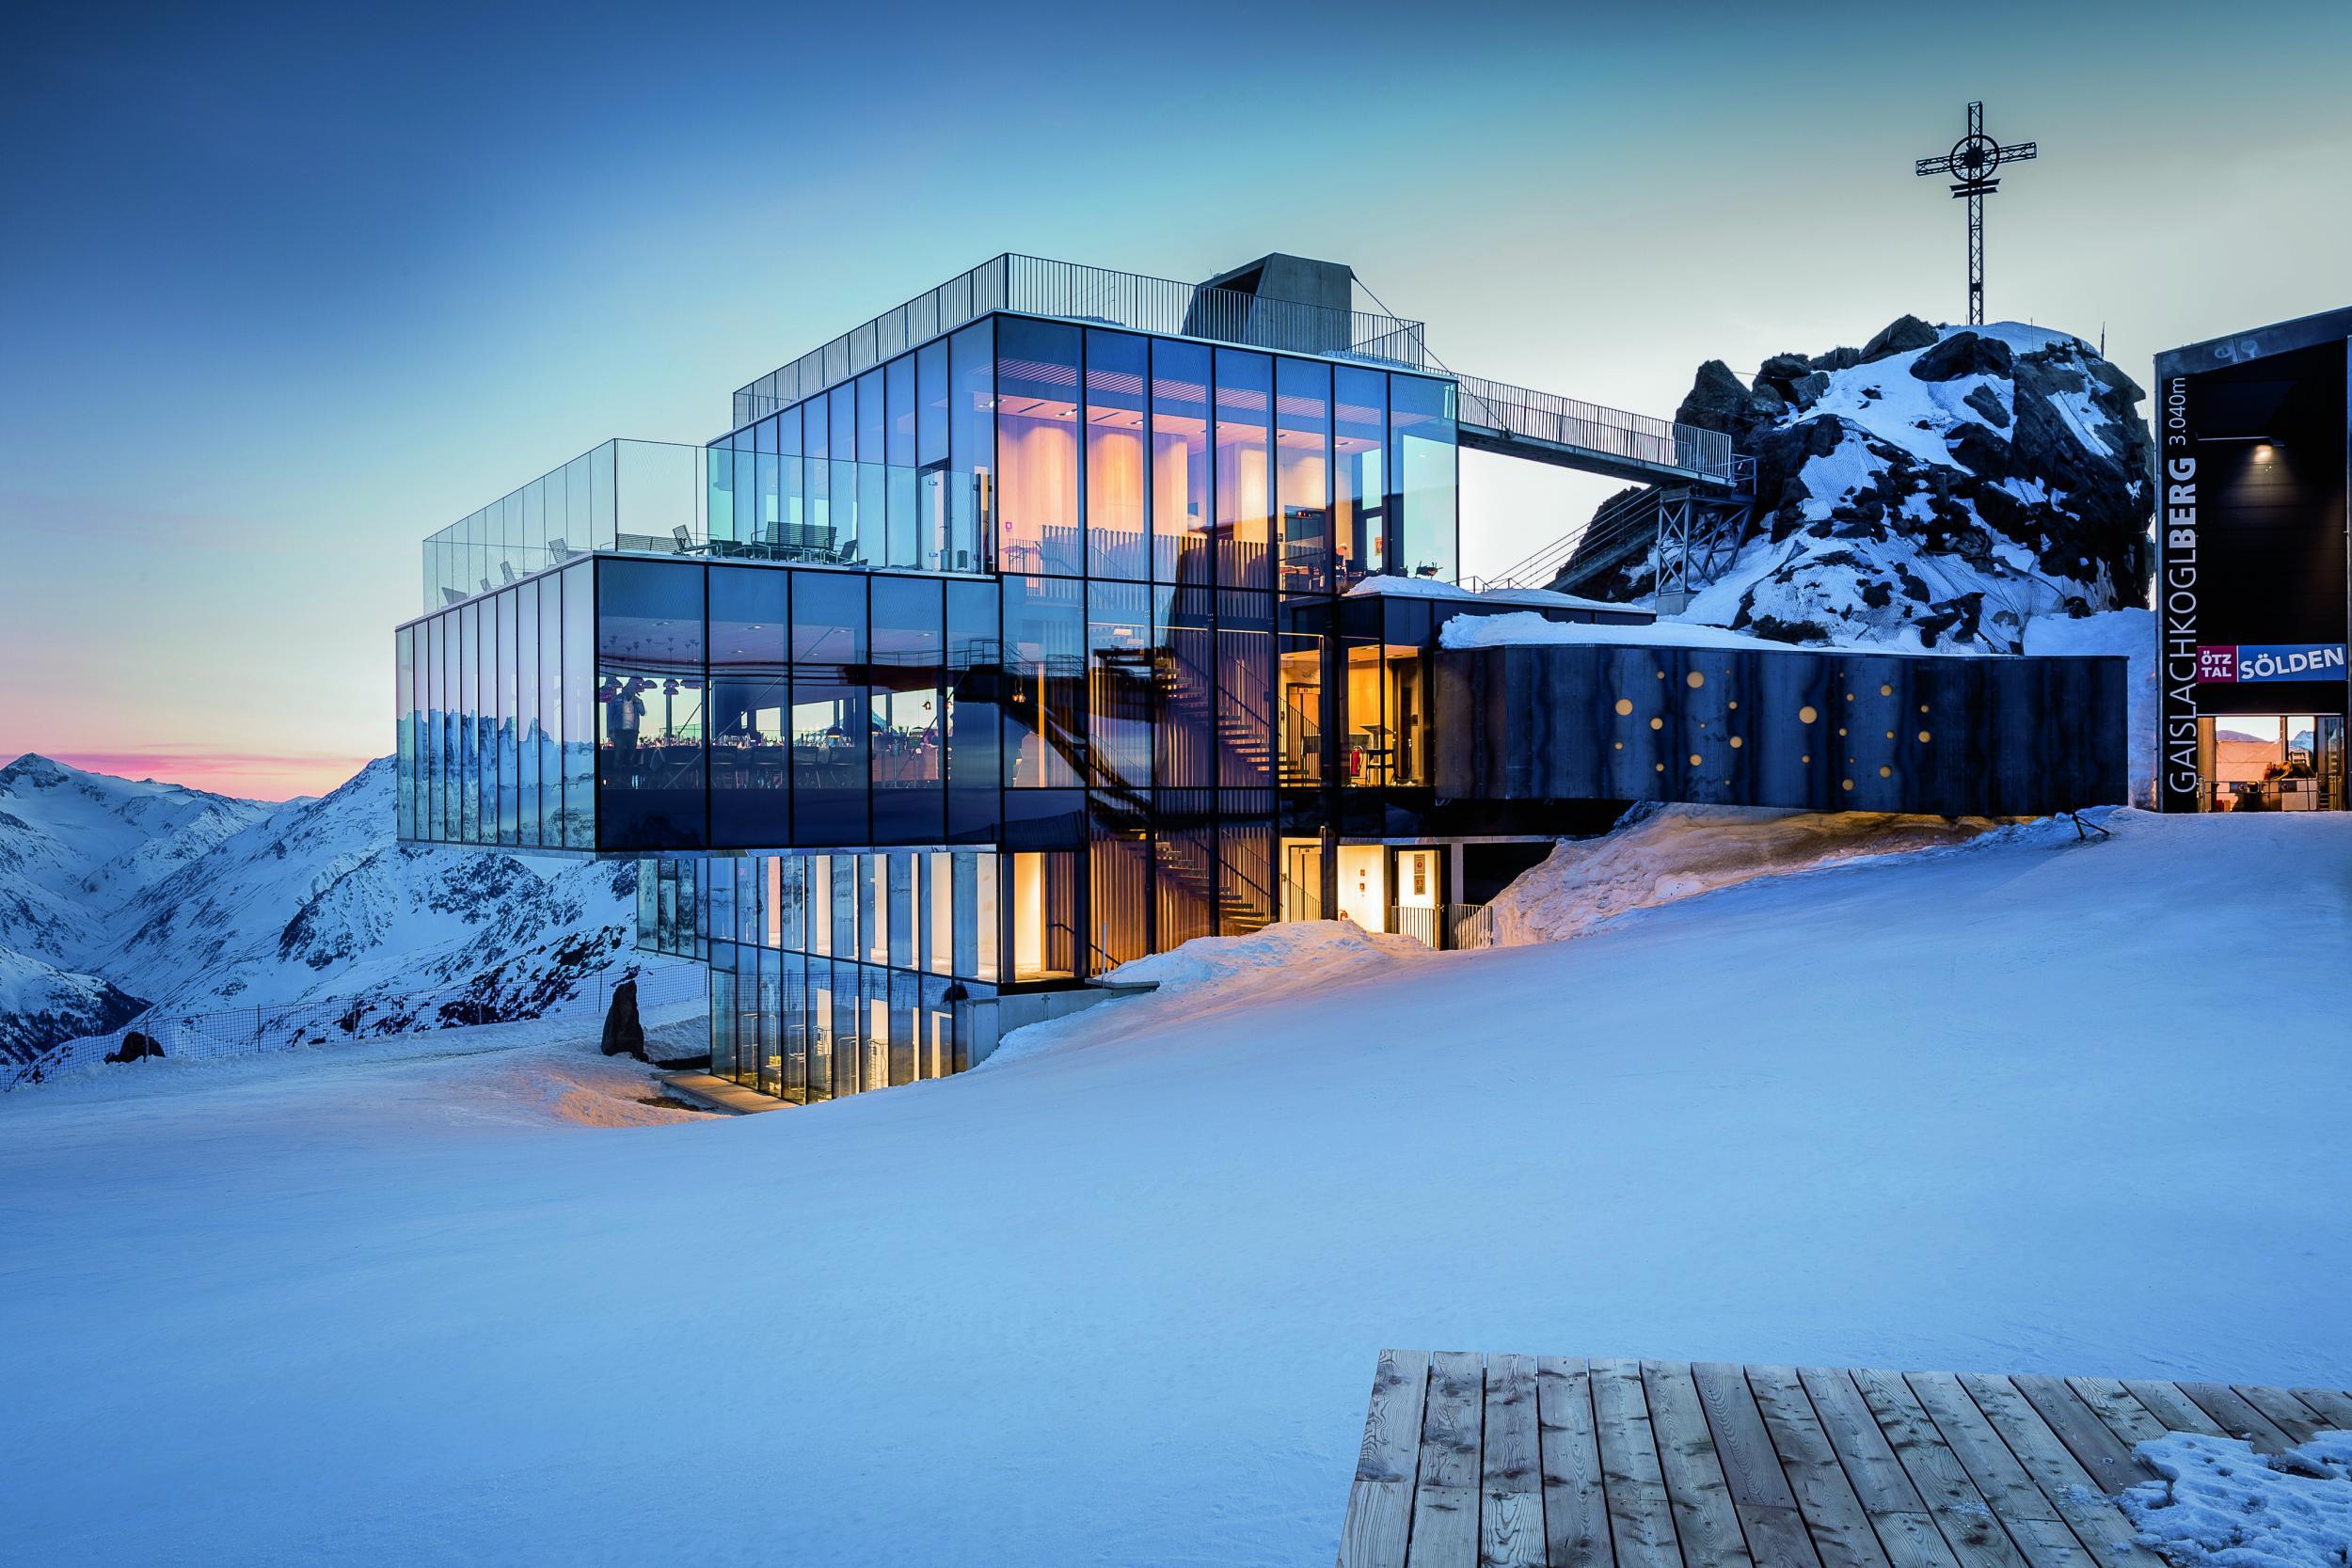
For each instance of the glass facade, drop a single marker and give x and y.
(833, 974)
(495, 744)
(1004, 661)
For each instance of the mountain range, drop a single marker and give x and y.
(118, 897)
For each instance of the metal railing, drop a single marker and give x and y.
(1038, 286)
(1470, 926)
(224, 1033)
(1531, 415)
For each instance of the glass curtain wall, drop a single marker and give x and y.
(832, 974)
(485, 693)
(893, 470)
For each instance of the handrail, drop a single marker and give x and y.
(1039, 286)
(1531, 415)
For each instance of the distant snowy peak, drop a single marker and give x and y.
(75, 846)
(1940, 487)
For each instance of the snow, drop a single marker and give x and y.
(1661, 853)
(1430, 588)
(2223, 1505)
(1526, 626)
(1117, 1300)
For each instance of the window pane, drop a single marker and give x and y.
(1037, 423)
(829, 711)
(909, 546)
(1244, 876)
(1119, 681)
(818, 536)
(910, 773)
(1302, 439)
(974, 685)
(1245, 480)
(509, 773)
(1185, 642)
(1300, 720)
(1360, 485)
(1044, 653)
(842, 460)
(1245, 658)
(404, 729)
(580, 706)
(552, 710)
(1420, 422)
(649, 680)
(470, 760)
(1184, 852)
(1119, 864)
(973, 502)
(719, 504)
(751, 756)
(1116, 376)
(1181, 522)
(527, 713)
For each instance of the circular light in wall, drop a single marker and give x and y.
(1658, 723)
(1625, 706)
(1887, 772)
(1695, 759)
(1694, 680)
(1807, 714)
(1887, 691)
(1923, 737)
(1734, 741)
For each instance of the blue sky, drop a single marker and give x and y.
(283, 290)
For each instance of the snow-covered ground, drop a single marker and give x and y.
(2223, 1505)
(2018, 1104)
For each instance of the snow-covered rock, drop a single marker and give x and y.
(1941, 486)
(40, 1003)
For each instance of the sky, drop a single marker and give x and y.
(283, 290)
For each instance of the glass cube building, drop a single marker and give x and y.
(992, 648)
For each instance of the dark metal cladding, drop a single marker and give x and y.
(1941, 735)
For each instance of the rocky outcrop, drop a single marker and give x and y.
(1937, 486)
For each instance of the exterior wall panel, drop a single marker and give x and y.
(1802, 729)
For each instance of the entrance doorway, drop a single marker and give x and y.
(2271, 762)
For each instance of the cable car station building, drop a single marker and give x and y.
(2255, 582)
(1059, 616)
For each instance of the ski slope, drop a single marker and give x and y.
(2016, 1103)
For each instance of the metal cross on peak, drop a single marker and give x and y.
(1971, 163)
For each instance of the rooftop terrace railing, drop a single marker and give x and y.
(1034, 285)
(1523, 412)
(647, 496)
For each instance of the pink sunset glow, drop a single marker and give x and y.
(244, 775)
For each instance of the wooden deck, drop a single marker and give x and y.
(1551, 1462)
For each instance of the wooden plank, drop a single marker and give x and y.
(1445, 1495)
(1576, 1510)
(1641, 1515)
(1995, 1472)
(2076, 1493)
(2123, 1414)
(1705, 1519)
(1511, 1505)
(1379, 1518)
(2237, 1417)
(1880, 1478)
(2176, 1410)
(1968, 1527)
(2105, 1457)
(2332, 1405)
(1391, 1448)
(1759, 1490)
(1825, 1499)
(2284, 1411)
(1751, 1464)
